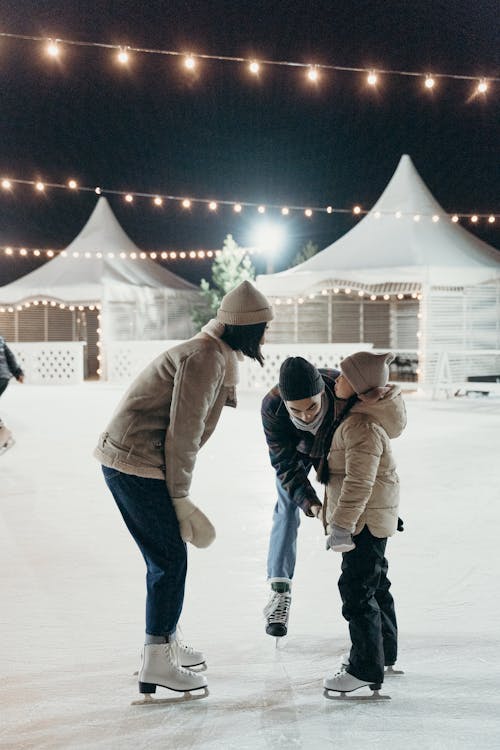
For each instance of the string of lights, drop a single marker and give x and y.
(191, 62)
(346, 291)
(158, 200)
(38, 252)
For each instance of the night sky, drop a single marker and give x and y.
(220, 133)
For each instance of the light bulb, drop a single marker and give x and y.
(312, 73)
(254, 67)
(429, 82)
(53, 48)
(190, 62)
(123, 56)
(372, 78)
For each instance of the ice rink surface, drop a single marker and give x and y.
(72, 592)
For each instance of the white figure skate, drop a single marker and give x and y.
(161, 668)
(390, 670)
(343, 683)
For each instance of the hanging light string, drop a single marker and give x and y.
(37, 252)
(158, 199)
(313, 70)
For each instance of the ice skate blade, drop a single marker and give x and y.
(343, 696)
(390, 671)
(187, 696)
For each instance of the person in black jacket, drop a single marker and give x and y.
(8, 369)
(299, 416)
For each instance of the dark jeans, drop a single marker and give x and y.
(4, 382)
(368, 607)
(150, 517)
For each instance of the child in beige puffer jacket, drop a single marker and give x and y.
(361, 511)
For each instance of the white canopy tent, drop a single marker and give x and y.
(98, 290)
(406, 277)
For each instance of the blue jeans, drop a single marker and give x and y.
(150, 517)
(283, 541)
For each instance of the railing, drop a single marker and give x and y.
(50, 362)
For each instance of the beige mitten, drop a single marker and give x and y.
(193, 524)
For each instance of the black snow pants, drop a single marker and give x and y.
(368, 607)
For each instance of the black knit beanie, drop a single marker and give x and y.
(299, 379)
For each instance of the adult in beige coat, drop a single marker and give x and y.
(361, 511)
(148, 453)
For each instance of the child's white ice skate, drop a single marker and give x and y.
(342, 683)
(389, 671)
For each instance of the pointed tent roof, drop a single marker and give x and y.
(384, 249)
(89, 279)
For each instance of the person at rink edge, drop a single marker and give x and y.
(298, 416)
(361, 511)
(148, 453)
(8, 369)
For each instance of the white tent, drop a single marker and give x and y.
(405, 277)
(101, 273)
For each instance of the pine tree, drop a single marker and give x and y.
(309, 249)
(229, 269)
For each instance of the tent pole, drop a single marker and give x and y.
(330, 317)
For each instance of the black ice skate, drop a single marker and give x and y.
(277, 612)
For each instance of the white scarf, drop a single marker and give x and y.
(314, 425)
(215, 329)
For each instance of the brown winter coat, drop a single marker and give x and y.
(363, 487)
(168, 413)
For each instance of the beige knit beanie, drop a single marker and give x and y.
(366, 371)
(243, 306)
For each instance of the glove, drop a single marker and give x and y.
(340, 540)
(316, 510)
(193, 524)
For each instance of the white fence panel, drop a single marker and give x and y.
(50, 363)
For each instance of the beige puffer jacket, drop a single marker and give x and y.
(363, 487)
(168, 413)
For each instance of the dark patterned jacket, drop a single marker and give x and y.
(8, 364)
(289, 447)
